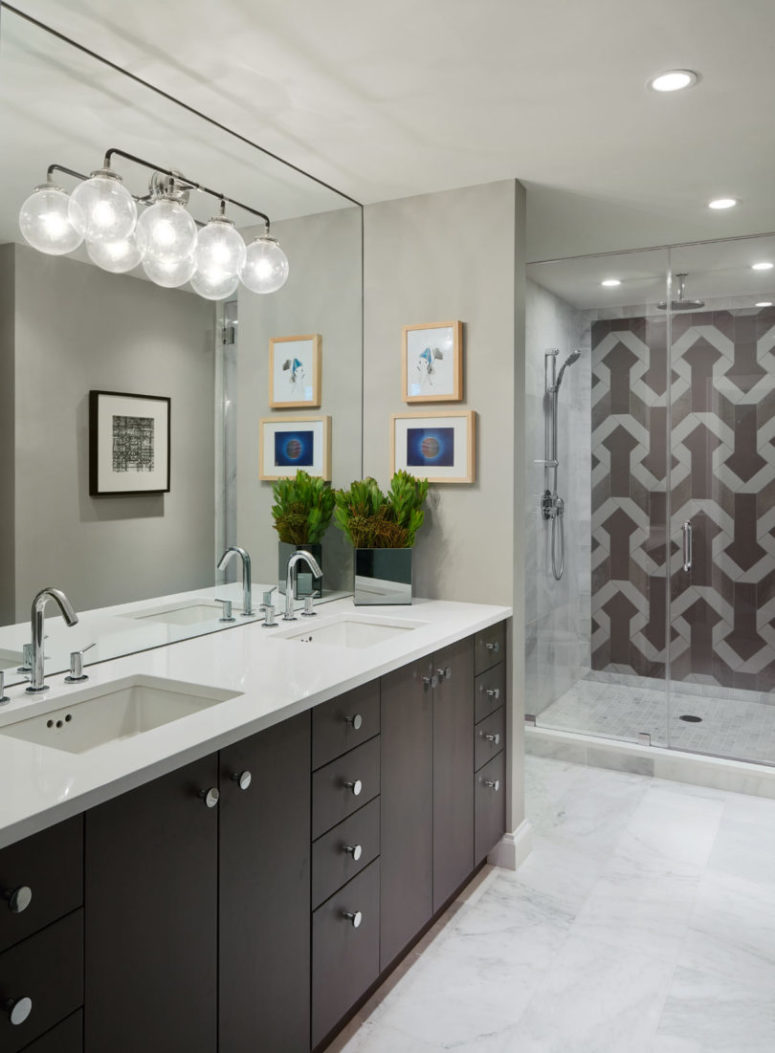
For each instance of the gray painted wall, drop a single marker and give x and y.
(436, 257)
(322, 295)
(78, 328)
(7, 444)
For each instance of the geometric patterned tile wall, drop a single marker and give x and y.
(722, 478)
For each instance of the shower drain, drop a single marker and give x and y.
(690, 718)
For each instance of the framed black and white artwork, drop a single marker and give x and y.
(129, 443)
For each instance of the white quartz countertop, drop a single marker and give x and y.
(272, 677)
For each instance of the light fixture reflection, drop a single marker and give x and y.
(101, 208)
(166, 232)
(214, 284)
(45, 222)
(266, 266)
(170, 273)
(118, 257)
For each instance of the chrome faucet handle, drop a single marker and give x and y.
(3, 697)
(308, 612)
(76, 673)
(26, 666)
(269, 622)
(226, 615)
(267, 600)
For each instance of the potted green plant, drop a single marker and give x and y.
(382, 529)
(302, 509)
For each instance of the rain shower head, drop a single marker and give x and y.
(681, 303)
(572, 357)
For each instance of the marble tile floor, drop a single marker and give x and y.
(642, 922)
(729, 727)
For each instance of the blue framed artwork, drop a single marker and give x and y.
(439, 447)
(289, 443)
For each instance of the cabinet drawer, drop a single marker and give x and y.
(489, 737)
(344, 722)
(489, 647)
(48, 969)
(332, 863)
(345, 959)
(66, 1037)
(489, 805)
(50, 866)
(490, 692)
(332, 798)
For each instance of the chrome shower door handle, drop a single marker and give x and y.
(687, 546)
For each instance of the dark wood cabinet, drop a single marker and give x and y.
(344, 722)
(490, 805)
(407, 807)
(66, 1037)
(29, 896)
(344, 785)
(264, 891)
(344, 851)
(345, 950)
(151, 917)
(46, 969)
(453, 758)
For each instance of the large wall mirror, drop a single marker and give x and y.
(68, 327)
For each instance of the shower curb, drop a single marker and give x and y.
(718, 773)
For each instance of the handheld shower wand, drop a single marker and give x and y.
(552, 505)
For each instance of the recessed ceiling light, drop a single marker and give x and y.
(611, 282)
(764, 303)
(674, 80)
(722, 202)
(763, 265)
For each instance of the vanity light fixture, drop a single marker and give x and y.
(718, 204)
(763, 265)
(611, 283)
(673, 80)
(155, 229)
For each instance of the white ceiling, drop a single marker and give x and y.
(391, 99)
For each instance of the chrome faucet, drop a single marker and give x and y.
(247, 591)
(37, 625)
(290, 579)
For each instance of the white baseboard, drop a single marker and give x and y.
(513, 848)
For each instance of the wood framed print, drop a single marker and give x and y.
(294, 371)
(439, 447)
(432, 362)
(289, 443)
(129, 443)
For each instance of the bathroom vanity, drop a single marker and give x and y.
(261, 826)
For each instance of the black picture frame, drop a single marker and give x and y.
(129, 443)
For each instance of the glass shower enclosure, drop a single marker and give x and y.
(661, 628)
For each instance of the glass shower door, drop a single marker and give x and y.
(722, 500)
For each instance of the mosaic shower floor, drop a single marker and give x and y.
(728, 727)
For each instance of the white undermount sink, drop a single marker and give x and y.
(181, 614)
(119, 710)
(350, 630)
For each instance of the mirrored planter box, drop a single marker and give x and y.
(382, 576)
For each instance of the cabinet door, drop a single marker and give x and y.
(407, 807)
(265, 891)
(453, 762)
(151, 927)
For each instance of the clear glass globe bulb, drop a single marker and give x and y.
(266, 266)
(45, 223)
(215, 283)
(166, 231)
(220, 248)
(118, 257)
(102, 209)
(170, 273)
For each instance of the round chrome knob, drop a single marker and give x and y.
(356, 722)
(19, 899)
(493, 738)
(210, 797)
(493, 784)
(355, 787)
(493, 692)
(356, 851)
(19, 1009)
(493, 646)
(243, 778)
(355, 917)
